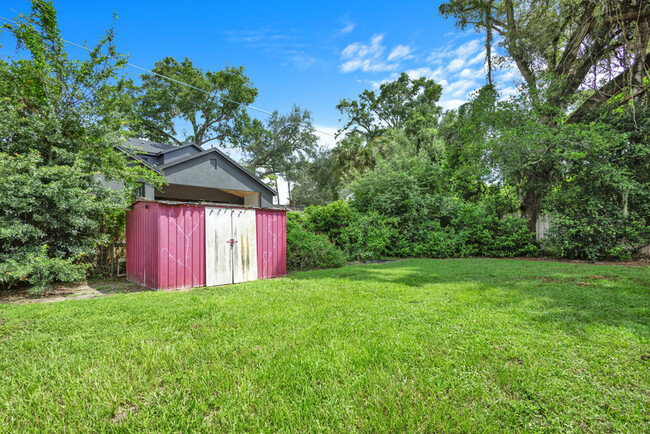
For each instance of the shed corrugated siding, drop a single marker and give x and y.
(271, 228)
(180, 251)
(141, 266)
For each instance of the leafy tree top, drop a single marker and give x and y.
(393, 106)
(215, 115)
(567, 46)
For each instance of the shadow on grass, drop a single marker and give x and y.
(572, 296)
(75, 291)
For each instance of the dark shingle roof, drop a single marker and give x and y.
(157, 149)
(224, 155)
(148, 146)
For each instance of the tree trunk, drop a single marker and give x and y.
(289, 188)
(530, 205)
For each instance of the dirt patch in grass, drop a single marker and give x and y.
(80, 291)
(578, 280)
(122, 413)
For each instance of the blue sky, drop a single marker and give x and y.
(310, 54)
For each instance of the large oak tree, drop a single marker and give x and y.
(576, 57)
(211, 103)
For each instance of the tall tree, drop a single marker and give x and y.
(396, 104)
(64, 109)
(314, 181)
(160, 103)
(557, 44)
(466, 132)
(279, 146)
(575, 56)
(59, 125)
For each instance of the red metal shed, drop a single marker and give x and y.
(271, 243)
(178, 245)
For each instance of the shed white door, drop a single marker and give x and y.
(231, 246)
(244, 250)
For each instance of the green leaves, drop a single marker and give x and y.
(280, 146)
(401, 103)
(213, 116)
(60, 121)
(50, 219)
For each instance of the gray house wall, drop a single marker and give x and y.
(226, 176)
(195, 174)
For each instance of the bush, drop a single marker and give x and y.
(40, 270)
(594, 235)
(50, 218)
(307, 250)
(440, 227)
(331, 219)
(483, 233)
(368, 236)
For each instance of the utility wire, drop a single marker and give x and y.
(182, 83)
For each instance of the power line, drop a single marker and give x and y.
(241, 104)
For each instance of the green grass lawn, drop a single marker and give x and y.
(416, 345)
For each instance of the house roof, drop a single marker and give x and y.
(226, 157)
(149, 147)
(129, 153)
(157, 149)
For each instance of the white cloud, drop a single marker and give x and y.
(302, 60)
(450, 104)
(326, 140)
(459, 70)
(508, 92)
(468, 48)
(347, 28)
(367, 57)
(285, 44)
(399, 52)
(456, 64)
(479, 58)
(459, 88)
(470, 73)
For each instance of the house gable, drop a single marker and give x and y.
(196, 174)
(180, 152)
(211, 169)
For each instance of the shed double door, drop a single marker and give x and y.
(230, 245)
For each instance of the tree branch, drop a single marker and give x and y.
(607, 91)
(515, 52)
(162, 132)
(570, 54)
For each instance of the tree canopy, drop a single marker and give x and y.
(60, 123)
(159, 104)
(279, 146)
(583, 52)
(401, 103)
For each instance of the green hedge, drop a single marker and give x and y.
(439, 227)
(307, 250)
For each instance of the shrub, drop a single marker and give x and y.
(369, 236)
(307, 250)
(50, 219)
(593, 234)
(482, 233)
(331, 219)
(40, 270)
